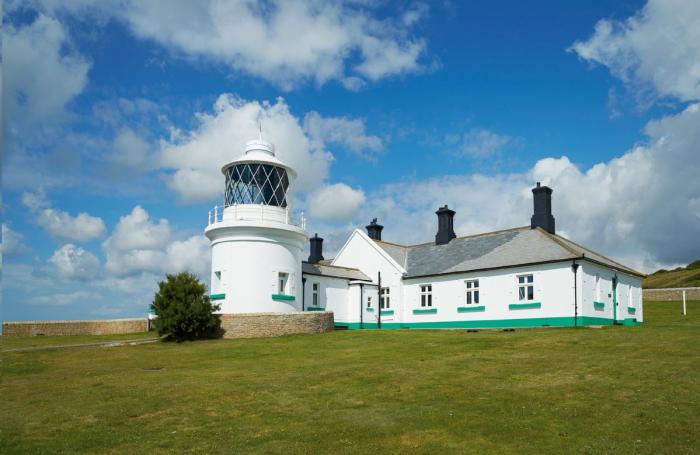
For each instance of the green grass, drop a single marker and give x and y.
(609, 390)
(29, 342)
(680, 277)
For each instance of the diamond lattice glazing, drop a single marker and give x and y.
(254, 183)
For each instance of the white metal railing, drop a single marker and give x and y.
(216, 215)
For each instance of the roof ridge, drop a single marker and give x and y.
(500, 231)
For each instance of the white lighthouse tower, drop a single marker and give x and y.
(256, 246)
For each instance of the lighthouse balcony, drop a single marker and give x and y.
(256, 213)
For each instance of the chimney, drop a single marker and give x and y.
(315, 249)
(374, 230)
(446, 230)
(542, 216)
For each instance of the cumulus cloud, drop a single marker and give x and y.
(338, 202)
(73, 262)
(81, 228)
(477, 142)
(12, 242)
(64, 299)
(131, 150)
(344, 131)
(657, 49)
(286, 43)
(138, 245)
(40, 76)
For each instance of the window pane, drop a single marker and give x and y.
(422, 300)
(530, 293)
(521, 293)
(476, 296)
(430, 299)
(469, 298)
(521, 279)
(315, 299)
(529, 278)
(469, 284)
(476, 283)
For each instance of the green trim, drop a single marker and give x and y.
(283, 297)
(598, 305)
(426, 311)
(524, 306)
(467, 309)
(315, 308)
(386, 312)
(217, 296)
(370, 310)
(631, 310)
(630, 321)
(492, 324)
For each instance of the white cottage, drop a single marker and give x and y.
(522, 277)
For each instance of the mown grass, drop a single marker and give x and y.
(45, 341)
(609, 390)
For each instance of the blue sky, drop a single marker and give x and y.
(118, 115)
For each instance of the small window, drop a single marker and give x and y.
(385, 299)
(526, 288)
(472, 292)
(282, 283)
(369, 301)
(314, 294)
(426, 295)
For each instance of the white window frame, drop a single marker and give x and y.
(369, 301)
(315, 294)
(472, 292)
(526, 282)
(385, 298)
(282, 282)
(426, 295)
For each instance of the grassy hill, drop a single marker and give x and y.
(677, 278)
(609, 390)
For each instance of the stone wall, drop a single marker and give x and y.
(253, 325)
(671, 294)
(54, 328)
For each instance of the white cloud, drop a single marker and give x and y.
(39, 76)
(82, 227)
(338, 202)
(478, 142)
(220, 137)
(286, 43)
(658, 48)
(73, 262)
(131, 150)
(344, 131)
(63, 299)
(12, 243)
(139, 245)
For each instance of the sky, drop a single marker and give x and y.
(118, 115)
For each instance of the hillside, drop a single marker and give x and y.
(680, 277)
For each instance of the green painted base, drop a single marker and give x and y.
(315, 308)
(493, 324)
(426, 311)
(283, 297)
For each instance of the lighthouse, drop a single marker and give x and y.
(256, 243)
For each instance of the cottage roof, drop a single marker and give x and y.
(333, 271)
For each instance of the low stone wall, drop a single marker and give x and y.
(58, 328)
(254, 325)
(671, 294)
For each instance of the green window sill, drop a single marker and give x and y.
(217, 296)
(524, 306)
(598, 305)
(426, 311)
(386, 312)
(468, 309)
(315, 308)
(631, 310)
(283, 297)
(370, 310)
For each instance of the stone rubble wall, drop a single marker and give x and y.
(254, 325)
(60, 328)
(671, 294)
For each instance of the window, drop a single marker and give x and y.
(597, 287)
(217, 282)
(426, 295)
(384, 300)
(472, 292)
(526, 289)
(282, 282)
(369, 301)
(314, 293)
(630, 300)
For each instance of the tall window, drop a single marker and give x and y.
(426, 295)
(314, 293)
(385, 299)
(526, 288)
(216, 287)
(282, 282)
(369, 301)
(472, 292)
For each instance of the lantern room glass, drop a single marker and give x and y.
(256, 183)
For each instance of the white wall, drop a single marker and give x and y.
(629, 293)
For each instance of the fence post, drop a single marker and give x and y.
(683, 302)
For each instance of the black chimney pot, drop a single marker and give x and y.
(446, 230)
(542, 216)
(374, 230)
(315, 249)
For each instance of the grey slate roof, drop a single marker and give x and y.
(512, 247)
(333, 271)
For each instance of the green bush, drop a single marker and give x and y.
(183, 310)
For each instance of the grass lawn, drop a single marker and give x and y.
(44, 341)
(609, 390)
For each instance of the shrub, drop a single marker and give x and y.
(183, 310)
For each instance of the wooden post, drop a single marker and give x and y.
(683, 302)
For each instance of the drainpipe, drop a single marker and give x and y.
(303, 292)
(379, 300)
(574, 268)
(361, 322)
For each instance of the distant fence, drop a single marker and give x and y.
(254, 325)
(59, 328)
(671, 294)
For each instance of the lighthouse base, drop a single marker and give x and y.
(259, 325)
